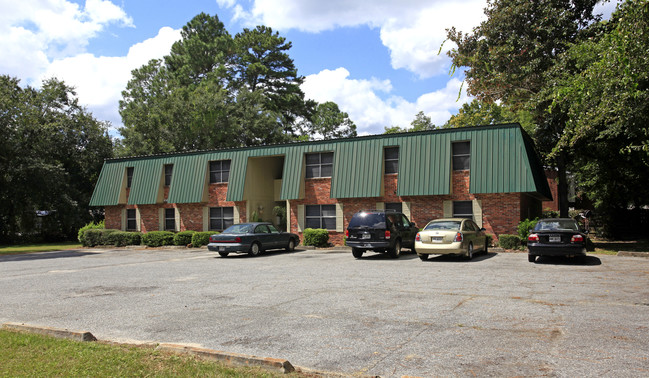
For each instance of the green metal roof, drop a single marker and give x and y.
(503, 160)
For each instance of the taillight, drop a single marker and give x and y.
(577, 238)
(237, 240)
(458, 237)
(387, 234)
(346, 233)
(533, 238)
(211, 239)
(418, 237)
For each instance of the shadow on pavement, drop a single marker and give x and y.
(460, 259)
(44, 255)
(561, 260)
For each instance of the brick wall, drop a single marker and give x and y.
(552, 175)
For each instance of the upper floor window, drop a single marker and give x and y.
(462, 209)
(391, 156)
(219, 171)
(129, 176)
(168, 169)
(319, 164)
(461, 156)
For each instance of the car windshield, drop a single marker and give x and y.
(557, 225)
(444, 225)
(369, 220)
(238, 229)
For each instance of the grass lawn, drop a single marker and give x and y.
(32, 355)
(46, 247)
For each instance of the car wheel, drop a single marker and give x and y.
(486, 248)
(396, 251)
(224, 254)
(357, 253)
(255, 249)
(531, 258)
(423, 257)
(291, 245)
(469, 252)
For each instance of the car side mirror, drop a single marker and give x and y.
(413, 224)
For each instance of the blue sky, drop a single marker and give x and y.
(378, 59)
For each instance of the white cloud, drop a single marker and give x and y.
(370, 112)
(99, 80)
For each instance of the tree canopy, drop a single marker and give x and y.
(51, 153)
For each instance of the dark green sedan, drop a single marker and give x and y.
(252, 238)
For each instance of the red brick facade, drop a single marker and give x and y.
(501, 212)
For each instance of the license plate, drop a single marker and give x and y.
(221, 249)
(366, 236)
(436, 239)
(555, 239)
(367, 246)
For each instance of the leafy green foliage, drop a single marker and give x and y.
(88, 226)
(328, 122)
(478, 113)
(316, 237)
(97, 236)
(183, 238)
(122, 238)
(158, 238)
(525, 226)
(509, 241)
(51, 153)
(200, 239)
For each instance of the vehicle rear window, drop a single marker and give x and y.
(370, 220)
(238, 229)
(557, 225)
(444, 225)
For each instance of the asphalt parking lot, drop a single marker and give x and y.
(495, 315)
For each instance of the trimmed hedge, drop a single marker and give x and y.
(316, 237)
(96, 236)
(89, 226)
(122, 238)
(200, 239)
(183, 238)
(158, 238)
(509, 241)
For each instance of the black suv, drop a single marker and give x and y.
(380, 231)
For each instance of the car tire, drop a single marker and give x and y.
(469, 252)
(291, 245)
(396, 250)
(255, 249)
(357, 253)
(224, 254)
(423, 256)
(531, 258)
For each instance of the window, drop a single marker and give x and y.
(272, 229)
(170, 219)
(321, 216)
(319, 164)
(131, 221)
(394, 206)
(262, 229)
(219, 171)
(461, 156)
(168, 169)
(221, 218)
(391, 156)
(462, 209)
(129, 176)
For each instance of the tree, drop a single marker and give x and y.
(328, 122)
(52, 153)
(422, 122)
(478, 113)
(508, 58)
(214, 91)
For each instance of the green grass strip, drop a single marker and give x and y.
(29, 248)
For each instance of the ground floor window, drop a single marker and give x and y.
(321, 216)
(131, 220)
(462, 209)
(170, 219)
(394, 206)
(221, 218)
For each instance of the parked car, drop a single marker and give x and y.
(252, 238)
(451, 236)
(556, 237)
(380, 231)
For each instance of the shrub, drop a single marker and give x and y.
(316, 237)
(509, 241)
(89, 226)
(524, 228)
(122, 238)
(200, 239)
(96, 236)
(158, 238)
(183, 237)
(550, 214)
